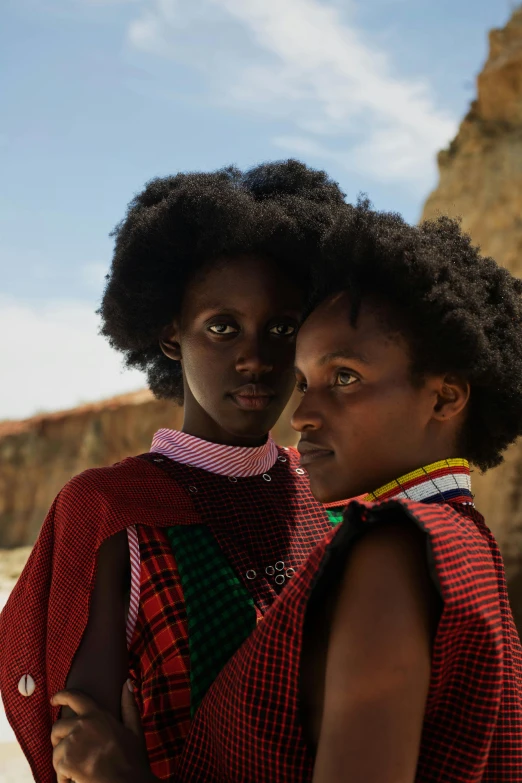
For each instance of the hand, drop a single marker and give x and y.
(94, 747)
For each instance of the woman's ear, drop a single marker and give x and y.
(169, 342)
(452, 397)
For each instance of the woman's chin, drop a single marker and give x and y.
(322, 493)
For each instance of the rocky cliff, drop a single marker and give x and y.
(39, 455)
(481, 182)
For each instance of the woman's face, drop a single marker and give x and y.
(235, 339)
(363, 422)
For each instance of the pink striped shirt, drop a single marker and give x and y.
(238, 461)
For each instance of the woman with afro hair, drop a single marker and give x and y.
(156, 569)
(392, 656)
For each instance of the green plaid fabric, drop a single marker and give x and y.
(220, 612)
(335, 515)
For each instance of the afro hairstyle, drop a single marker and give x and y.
(460, 312)
(179, 224)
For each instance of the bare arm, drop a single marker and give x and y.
(379, 661)
(100, 666)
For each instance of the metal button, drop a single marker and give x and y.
(270, 570)
(300, 471)
(282, 459)
(193, 489)
(279, 566)
(267, 477)
(280, 580)
(26, 685)
(233, 479)
(290, 572)
(251, 574)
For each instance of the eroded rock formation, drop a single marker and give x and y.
(39, 455)
(481, 182)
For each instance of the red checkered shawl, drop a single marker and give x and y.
(248, 728)
(43, 622)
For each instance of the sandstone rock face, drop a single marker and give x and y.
(38, 456)
(481, 182)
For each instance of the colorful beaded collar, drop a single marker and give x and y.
(447, 481)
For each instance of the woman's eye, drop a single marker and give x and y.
(344, 378)
(301, 386)
(222, 329)
(283, 330)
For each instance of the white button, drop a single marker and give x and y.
(300, 471)
(290, 572)
(193, 489)
(26, 685)
(233, 479)
(251, 574)
(270, 570)
(280, 580)
(279, 566)
(282, 459)
(267, 477)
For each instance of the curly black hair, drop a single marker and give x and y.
(179, 224)
(460, 312)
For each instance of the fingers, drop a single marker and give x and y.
(61, 729)
(61, 767)
(76, 700)
(129, 711)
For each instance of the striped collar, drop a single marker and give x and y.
(238, 461)
(447, 481)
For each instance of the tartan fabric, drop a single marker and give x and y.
(197, 604)
(221, 613)
(248, 730)
(159, 659)
(257, 521)
(42, 624)
(335, 515)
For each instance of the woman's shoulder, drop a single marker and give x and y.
(118, 496)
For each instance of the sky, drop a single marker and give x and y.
(99, 96)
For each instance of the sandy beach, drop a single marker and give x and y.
(13, 766)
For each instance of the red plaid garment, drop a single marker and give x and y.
(256, 522)
(248, 729)
(43, 621)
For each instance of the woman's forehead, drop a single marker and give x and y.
(328, 333)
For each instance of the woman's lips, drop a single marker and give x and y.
(253, 396)
(250, 403)
(310, 453)
(314, 456)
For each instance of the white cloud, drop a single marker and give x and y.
(51, 357)
(303, 62)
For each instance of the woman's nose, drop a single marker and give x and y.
(254, 357)
(307, 416)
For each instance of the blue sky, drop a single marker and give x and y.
(99, 96)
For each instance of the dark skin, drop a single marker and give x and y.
(366, 659)
(235, 339)
(362, 419)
